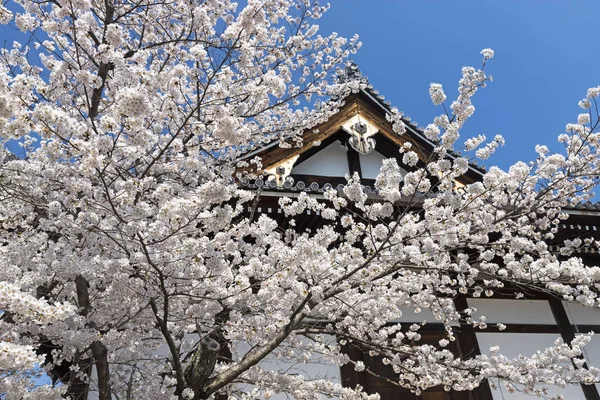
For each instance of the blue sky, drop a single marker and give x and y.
(546, 58)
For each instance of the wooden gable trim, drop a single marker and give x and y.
(378, 118)
(356, 104)
(416, 137)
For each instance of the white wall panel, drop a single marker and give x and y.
(514, 344)
(331, 161)
(513, 311)
(591, 353)
(370, 165)
(410, 316)
(582, 315)
(317, 367)
(93, 394)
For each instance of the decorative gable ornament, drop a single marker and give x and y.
(280, 173)
(361, 132)
(366, 135)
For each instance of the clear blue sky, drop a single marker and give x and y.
(546, 58)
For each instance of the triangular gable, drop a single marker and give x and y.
(354, 106)
(364, 107)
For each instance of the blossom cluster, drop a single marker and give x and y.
(14, 357)
(23, 307)
(128, 204)
(26, 306)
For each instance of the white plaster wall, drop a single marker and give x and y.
(370, 164)
(513, 311)
(316, 367)
(331, 161)
(410, 315)
(591, 353)
(514, 344)
(93, 394)
(582, 315)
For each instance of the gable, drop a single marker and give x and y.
(362, 128)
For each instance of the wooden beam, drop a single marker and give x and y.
(353, 161)
(275, 155)
(469, 347)
(351, 377)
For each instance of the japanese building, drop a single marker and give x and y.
(356, 140)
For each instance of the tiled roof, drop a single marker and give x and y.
(588, 205)
(300, 186)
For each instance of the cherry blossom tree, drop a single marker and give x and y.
(128, 252)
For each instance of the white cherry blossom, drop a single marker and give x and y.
(129, 245)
